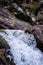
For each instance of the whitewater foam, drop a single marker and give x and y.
(23, 47)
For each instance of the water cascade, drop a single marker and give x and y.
(23, 47)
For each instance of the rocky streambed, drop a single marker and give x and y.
(21, 48)
(23, 45)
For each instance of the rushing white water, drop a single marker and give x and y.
(23, 47)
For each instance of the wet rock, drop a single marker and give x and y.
(7, 21)
(3, 43)
(19, 11)
(40, 16)
(34, 10)
(37, 31)
(6, 57)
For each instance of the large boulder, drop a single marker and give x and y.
(8, 21)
